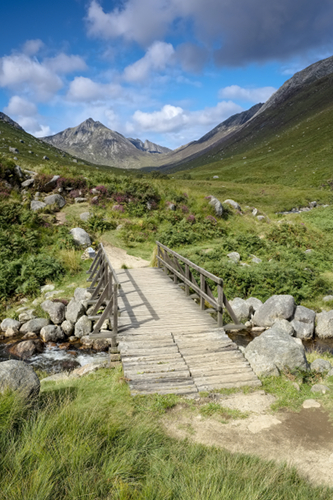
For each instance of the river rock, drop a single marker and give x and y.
(101, 345)
(82, 327)
(55, 199)
(217, 205)
(324, 328)
(241, 309)
(67, 327)
(10, 323)
(87, 341)
(80, 236)
(10, 332)
(56, 311)
(233, 204)
(52, 184)
(276, 307)
(27, 315)
(274, 351)
(304, 322)
(37, 205)
(34, 325)
(26, 348)
(320, 365)
(283, 326)
(81, 294)
(19, 376)
(74, 311)
(52, 333)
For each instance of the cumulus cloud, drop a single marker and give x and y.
(86, 90)
(252, 95)
(241, 31)
(192, 57)
(20, 107)
(26, 114)
(62, 63)
(31, 47)
(157, 58)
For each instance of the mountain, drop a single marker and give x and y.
(5, 119)
(94, 142)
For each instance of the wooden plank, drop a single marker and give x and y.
(229, 385)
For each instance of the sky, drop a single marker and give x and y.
(164, 70)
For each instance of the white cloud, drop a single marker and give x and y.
(31, 47)
(86, 90)
(157, 58)
(26, 114)
(255, 95)
(20, 107)
(169, 118)
(62, 63)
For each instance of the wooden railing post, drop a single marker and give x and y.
(175, 280)
(158, 256)
(115, 310)
(187, 276)
(220, 305)
(203, 289)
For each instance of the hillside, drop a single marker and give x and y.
(94, 142)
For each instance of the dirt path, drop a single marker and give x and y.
(119, 257)
(303, 440)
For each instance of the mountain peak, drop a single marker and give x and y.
(6, 119)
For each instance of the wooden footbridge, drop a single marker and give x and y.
(166, 342)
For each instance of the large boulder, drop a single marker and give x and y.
(321, 365)
(74, 311)
(283, 326)
(34, 325)
(304, 322)
(80, 236)
(56, 311)
(233, 204)
(52, 184)
(67, 327)
(274, 351)
(26, 348)
(52, 333)
(18, 376)
(324, 328)
(37, 205)
(241, 309)
(10, 323)
(82, 327)
(254, 303)
(55, 199)
(81, 294)
(217, 205)
(276, 307)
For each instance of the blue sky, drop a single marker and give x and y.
(164, 70)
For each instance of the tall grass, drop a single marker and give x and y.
(89, 440)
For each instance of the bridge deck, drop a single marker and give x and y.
(168, 345)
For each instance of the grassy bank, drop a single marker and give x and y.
(89, 439)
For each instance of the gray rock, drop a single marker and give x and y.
(10, 332)
(100, 345)
(234, 256)
(87, 341)
(312, 204)
(27, 183)
(321, 365)
(320, 388)
(256, 260)
(46, 157)
(13, 150)
(311, 403)
(324, 327)
(330, 373)
(27, 348)
(74, 311)
(55, 199)
(10, 323)
(328, 298)
(309, 250)
(283, 326)
(37, 205)
(52, 333)
(27, 315)
(80, 236)
(81, 294)
(261, 217)
(47, 288)
(233, 204)
(80, 200)
(56, 311)
(19, 376)
(170, 206)
(241, 309)
(303, 330)
(85, 216)
(274, 351)
(34, 325)
(82, 327)
(255, 212)
(18, 172)
(304, 314)
(217, 205)
(276, 307)
(52, 184)
(254, 303)
(67, 327)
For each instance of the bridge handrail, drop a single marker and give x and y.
(184, 274)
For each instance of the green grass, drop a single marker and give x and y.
(88, 439)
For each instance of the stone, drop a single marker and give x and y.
(18, 171)
(170, 206)
(330, 373)
(312, 204)
(305, 315)
(47, 288)
(309, 250)
(328, 298)
(86, 369)
(28, 183)
(217, 205)
(261, 217)
(233, 204)
(324, 327)
(52, 333)
(80, 200)
(234, 256)
(37, 205)
(256, 260)
(55, 199)
(13, 150)
(321, 365)
(80, 236)
(276, 307)
(56, 311)
(320, 388)
(27, 315)
(52, 184)
(73, 338)
(45, 157)
(74, 311)
(302, 330)
(101, 345)
(85, 216)
(19, 376)
(50, 295)
(311, 403)
(82, 327)
(81, 294)
(254, 303)
(29, 336)
(10, 323)
(34, 325)
(283, 326)
(241, 309)
(87, 341)
(67, 327)
(274, 351)
(10, 332)
(254, 212)
(26, 348)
